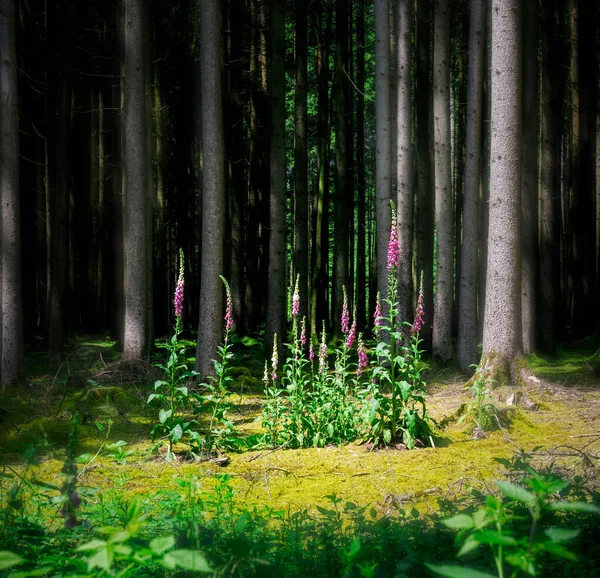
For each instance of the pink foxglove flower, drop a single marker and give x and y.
(323, 352)
(345, 322)
(311, 352)
(363, 360)
(229, 307)
(296, 298)
(274, 359)
(420, 311)
(377, 316)
(303, 332)
(393, 255)
(351, 336)
(178, 298)
(266, 373)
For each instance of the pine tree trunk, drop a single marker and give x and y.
(276, 305)
(11, 304)
(301, 245)
(404, 156)
(136, 342)
(383, 143)
(210, 322)
(467, 316)
(502, 342)
(442, 315)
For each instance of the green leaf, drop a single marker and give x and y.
(9, 559)
(164, 415)
(92, 545)
(387, 436)
(560, 551)
(494, 537)
(159, 383)
(187, 559)
(160, 545)
(575, 507)
(458, 572)
(459, 522)
(515, 492)
(101, 559)
(182, 390)
(561, 534)
(176, 434)
(471, 543)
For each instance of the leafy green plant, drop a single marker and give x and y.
(172, 393)
(397, 408)
(481, 409)
(118, 452)
(520, 526)
(214, 396)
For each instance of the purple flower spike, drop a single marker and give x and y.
(363, 360)
(311, 353)
(345, 314)
(393, 255)
(274, 359)
(351, 336)
(178, 298)
(323, 352)
(296, 298)
(303, 332)
(420, 311)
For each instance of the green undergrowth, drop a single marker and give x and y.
(317, 492)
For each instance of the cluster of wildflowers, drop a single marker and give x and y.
(352, 334)
(345, 321)
(393, 254)
(274, 359)
(296, 298)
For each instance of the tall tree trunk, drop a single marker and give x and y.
(467, 316)
(549, 187)
(136, 341)
(424, 132)
(341, 228)
(11, 304)
(301, 253)
(442, 315)
(210, 322)
(502, 342)
(276, 313)
(404, 155)
(383, 143)
(61, 165)
(361, 262)
(529, 208)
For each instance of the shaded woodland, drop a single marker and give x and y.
(267, 138)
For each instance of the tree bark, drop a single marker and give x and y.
(137, 183)
(276, 305)
(210, 322)
(442, 315)
(301, 252)
(467, 316)
(502, 342)
(404, 156)
(11, 304)
(383, 143)
(361, 247)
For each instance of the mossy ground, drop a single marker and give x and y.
(566, 406)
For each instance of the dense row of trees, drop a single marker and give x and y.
(267, 138)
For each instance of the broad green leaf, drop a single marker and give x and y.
(515, 492)
(575, 507)
(493, 537)
(101, 559)
(387, 436)
(182, 390)
(159, 383)
(9, 559)
(460, 521)
(176, 434)
(164, 415)
(187, 560)
(458, 572)
(92, 545)
(160, 545)
(561, 534)
(559, 550)
(470, 544)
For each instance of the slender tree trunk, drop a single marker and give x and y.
(210, 322)
(502, 341)
(341, 228)
(61, 161)
(404, 155)
(383, 143)
(467, 316)
(529, 208)
(361, 262)
(301, 246)
(276, 306)
(442, 316)
(424, 132)
(137, 183)
(549, 188)
(11, 304)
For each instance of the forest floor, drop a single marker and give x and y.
(559, 426)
